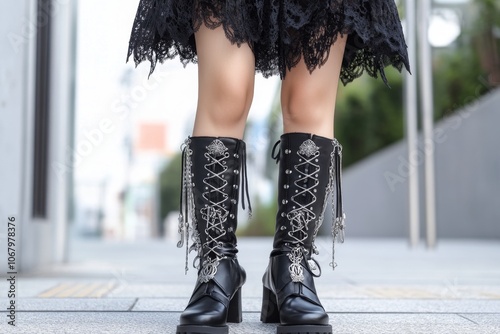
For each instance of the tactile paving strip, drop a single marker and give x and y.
(78, 290)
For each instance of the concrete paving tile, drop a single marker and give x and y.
(152, 290)
(377, 324)
(402, 323)
(162, 322)
(400, 291)
(92, 322)
(71, 304)
(410, 306)
(492, 320)
(347, 305)
(160, 304)
(166, 322)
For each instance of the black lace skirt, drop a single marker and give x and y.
(279, 32)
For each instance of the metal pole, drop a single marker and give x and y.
(427, 120)
(411, 124)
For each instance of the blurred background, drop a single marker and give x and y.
(90, 147)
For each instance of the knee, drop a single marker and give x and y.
(305, 105)
(228, 101)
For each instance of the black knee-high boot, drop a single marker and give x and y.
(213, 169)
(309, 170)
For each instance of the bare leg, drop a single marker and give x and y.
(308, 99)
(226, 75)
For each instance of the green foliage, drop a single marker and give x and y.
(459, 80)
(262, 221)
(369, 115)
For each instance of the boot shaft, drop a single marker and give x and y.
(309, 171)
(216, 178)
(213, 169)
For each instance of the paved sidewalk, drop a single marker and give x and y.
(380, 286)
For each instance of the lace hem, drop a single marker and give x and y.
(279, 32)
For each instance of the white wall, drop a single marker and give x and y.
(39, 241)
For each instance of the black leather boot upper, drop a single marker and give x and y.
(306, 175)
(211, 184)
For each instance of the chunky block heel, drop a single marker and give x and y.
(269, 312)
(234, 312)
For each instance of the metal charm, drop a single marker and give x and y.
(295, 268)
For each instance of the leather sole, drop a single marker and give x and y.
(304, 329)
(195, 329)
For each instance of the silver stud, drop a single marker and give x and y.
(231, 216)
(282, 214)
(287, 151)
(236, 171)
(283, 228)
(316, 175)
(236, 156)
(300, 160)
(316, 160)
(296, 191)
(233, 201)
(315, 190)
(235, 186)
(288, 171)
(284, 201)
(286, 186)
